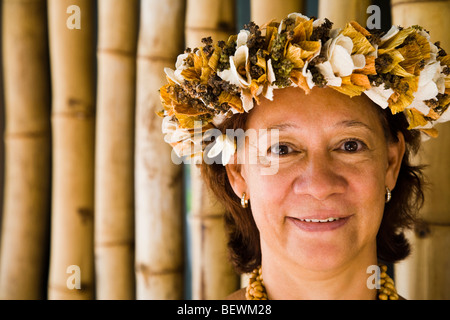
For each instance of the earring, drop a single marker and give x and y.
(244, 202)
(388, 195)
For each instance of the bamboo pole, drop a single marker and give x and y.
(425, 274)
(340, 12)
(114, 168)
(158, 182)
(212, 274)
(72, 56)
(431, 14)
(27, 141)
(209, 18)
(263, 11)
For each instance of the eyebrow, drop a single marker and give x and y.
(283, 126)
(344, 123)
(353, 124)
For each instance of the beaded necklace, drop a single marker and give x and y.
(257, 291)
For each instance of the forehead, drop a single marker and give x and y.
(322, 108)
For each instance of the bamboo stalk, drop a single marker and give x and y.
(423, 275)
(114, 194)
(431, 14)
(72, 57)
(158, 182)
(212, 274)
(263, 11)
(340, 12)
(27, 141)
(209, 18)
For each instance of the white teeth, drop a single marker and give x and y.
(322, 221)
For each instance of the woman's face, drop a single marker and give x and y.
(324, 205)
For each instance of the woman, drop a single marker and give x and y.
(327, 212)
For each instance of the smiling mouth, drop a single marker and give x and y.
(318, 225)
(320, 220)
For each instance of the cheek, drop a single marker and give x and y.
(267, 193)
(367, 192)
(367, 181)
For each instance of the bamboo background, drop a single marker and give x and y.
(87, 180)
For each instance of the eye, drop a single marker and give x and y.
(353, 145)
(280, 149)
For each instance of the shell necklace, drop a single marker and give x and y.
(257, 291)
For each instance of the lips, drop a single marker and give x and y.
(317, 224)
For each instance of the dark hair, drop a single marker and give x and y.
(399, 213)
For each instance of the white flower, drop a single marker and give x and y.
(444, 117)
(392, 32)
(240, 61)
(419, 106)
(173, 133)
(184, 143)
(340, 61)
(431, 82)
(247, 100)
(433, 48)
(379, 95)
(326, 69)
(318, 22)
(242, 38)
(307, 73)
(219, 119)
(223, 145)
(292, 16)
(271, 78)
(180, 66)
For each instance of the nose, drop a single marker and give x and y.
(319, 176)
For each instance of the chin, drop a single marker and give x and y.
(321, 257)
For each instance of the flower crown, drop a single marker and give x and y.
(400, 69)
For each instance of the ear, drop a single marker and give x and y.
(236, 176)
(396, 151)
